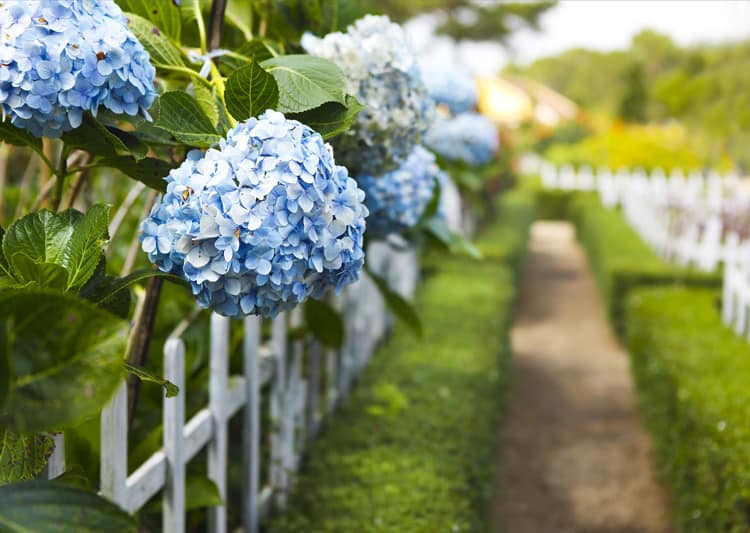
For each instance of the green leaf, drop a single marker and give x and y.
(67, 359)
(93, 137)
(162, 51)
(400, 307)
(29, 273)
(37, 506)
(130, 140)
(455, 243)
(149, 170)
(330, 119)
(170, 389)
(338, 14)
(240, 15)
(18, 137)
(164, 14)
(201, 492)
(250, 90)
(181, 115)
(324, 323)
(207, 100)
(432, 207)
(56, 250)
(37, 239)
(22, 457)
(84, 249)
(134, 277)
(306, 82)
(40, 236)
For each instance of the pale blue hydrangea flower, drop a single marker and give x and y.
(261, 223)
(397, 199)
(382, 72)
(451, 85)
(60, 58)
(469, 138)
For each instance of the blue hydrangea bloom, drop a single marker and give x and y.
(469, 138)
(60, 58)
(451, 85)
(382, 72)
(261, 223)
(397, 199)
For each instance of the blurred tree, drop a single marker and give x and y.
(469, 19)
(634, 98)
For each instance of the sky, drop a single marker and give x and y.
(596, 24)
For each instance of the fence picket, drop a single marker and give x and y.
(217, 393)
(173, 517)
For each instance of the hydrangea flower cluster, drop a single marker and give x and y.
(261, 223)
(382, 72)
(452, 86)
(469, 138)
(397, 199)
(59, 58)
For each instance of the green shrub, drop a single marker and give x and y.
(412, 449)
(692, 375)
(620, 259)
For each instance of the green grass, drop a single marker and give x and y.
(692, 375)
(412, 449)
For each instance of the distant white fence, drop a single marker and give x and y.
(681, 218)
(306, 383)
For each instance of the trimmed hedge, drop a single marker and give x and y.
(412, 449)
(619, 258)
(692, 375)
(617, 255)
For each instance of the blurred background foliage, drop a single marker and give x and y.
(693, 99)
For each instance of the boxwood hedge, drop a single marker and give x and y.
(412, 449)
(692, 375)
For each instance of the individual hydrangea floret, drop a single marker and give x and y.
(469, 138)
(382, 72)
(397, 199)
(60, 58)
(261, 223)
(451, 85)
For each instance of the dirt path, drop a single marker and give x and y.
(574, 457)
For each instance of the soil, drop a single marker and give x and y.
(574, 456)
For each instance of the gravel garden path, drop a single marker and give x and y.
(573, 455)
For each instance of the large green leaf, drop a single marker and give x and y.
(181, 115)
(67, 358)
(40, 236)
(306, 82)
(330, 119)
(163, 52)
(84, 250)
(41, 506)
(56, 250)
(149, 170)
(164, 14)
(16, 136)
(324, 323)
(208, 101)
(396, 304)
(250, 91)
(22, 457)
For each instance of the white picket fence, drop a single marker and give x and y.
(306, 383)
(679, 216)
(653, 204)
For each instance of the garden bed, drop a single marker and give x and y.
(412, 448)
(692, 376)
